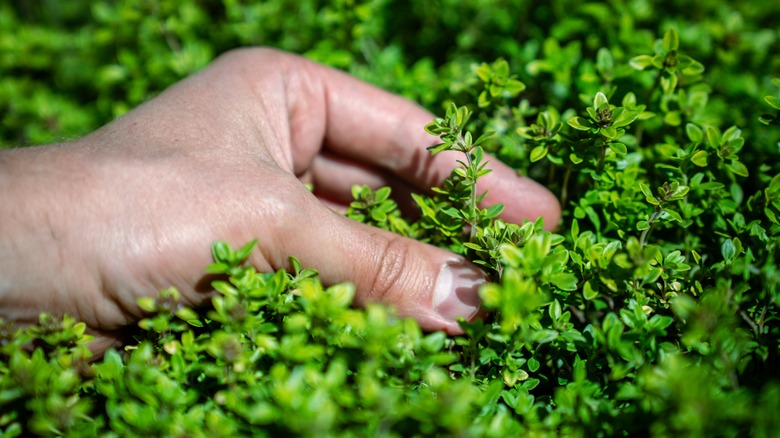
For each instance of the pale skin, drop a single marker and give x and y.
(90, 225)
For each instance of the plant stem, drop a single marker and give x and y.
(473, 195)
(602, 158)
(650, 223)
(472, 199)
(565, 188)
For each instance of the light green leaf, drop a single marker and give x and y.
(641, 62)
(695, 134)
(618, 148)
(186, 314)
(484, 73)
(625, 118)
(510, 254)
(483, 101)
(538, 153)
(713, 136)
(579, 123)
(694, 68)
(514, 87)
(588, 292)
(773, 189)
(645, 189)
(501, 68)
(147, 303)
(438, 148)
(629, 100)
(564, 281)
(699, 158)
(738, 168)
(728, 250)
(673, 118)
(245, 250)
(600, 100)
(604, 60)
(494, 210)
(609, 132)
(671, 40)
(673, 215)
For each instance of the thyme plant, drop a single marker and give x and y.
(651, 310)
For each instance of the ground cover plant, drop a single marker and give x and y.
(651, 310)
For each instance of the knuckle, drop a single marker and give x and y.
(389, 278)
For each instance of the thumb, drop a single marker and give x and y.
(429, 284)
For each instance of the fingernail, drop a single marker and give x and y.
(456, 289)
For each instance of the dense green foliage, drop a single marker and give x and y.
(653, 309)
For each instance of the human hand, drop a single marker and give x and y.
(132, 208)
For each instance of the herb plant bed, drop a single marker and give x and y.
(651, 310)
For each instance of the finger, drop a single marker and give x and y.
(372, 126)
(334, 178)
(429, 284)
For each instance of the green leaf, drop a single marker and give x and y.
(554, 310)
(641, 62)
(148, 304)
(538, 153)
(671, 40)
(600, 100)
(186, 314)
(699, 158)
(773, 101)
(618, 148)
(604, 60)
(221, 252)
(514, 87)
(487, 135)
(693, 69)
(510, 254)
(501, 68)
(435, 149)
(737, 168)
(711, 185)
(673, 215)
(483, 101)
(609, 132)
(579, 123)
(629, 100)
(564, 281)
(646, 190)
(245, 250)
(484, 73)
(713, 136)
(588, 292)
(625, 118)
(695, 134)
(728, 250)
(493, 211)
(673, 118)
(660, 323)
(773, 189)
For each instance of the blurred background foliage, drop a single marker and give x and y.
(67, 67)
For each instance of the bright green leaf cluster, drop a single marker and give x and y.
(651, 311)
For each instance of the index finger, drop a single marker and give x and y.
(373, 126)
